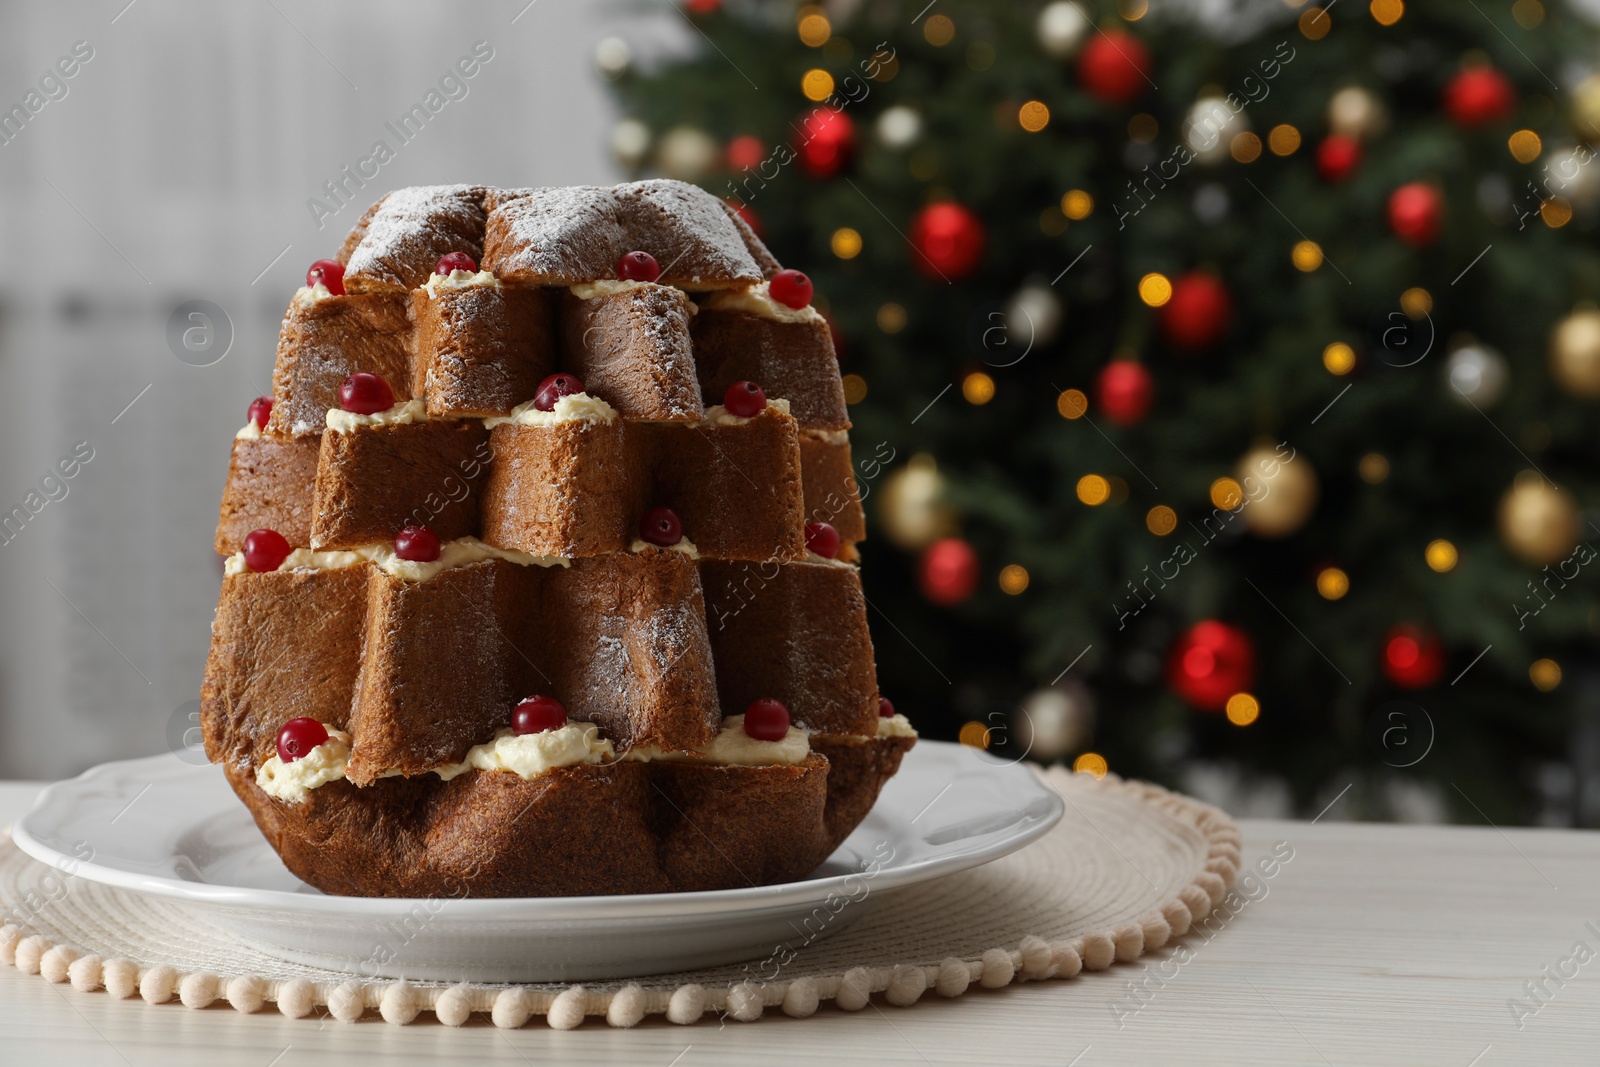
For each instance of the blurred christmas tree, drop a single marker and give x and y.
(1250, 374)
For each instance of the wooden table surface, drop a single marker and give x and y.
(1375, 945)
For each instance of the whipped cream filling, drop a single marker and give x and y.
(460, 279)
(248, 432)
(717, 414)
(409, 411)
(457, 553)
(323, 764)
(732, 747)
(575, 407)
(686, 546)
(608, 287)
(307, 295)
(757, 301)
(525, 755)
(812, 557)
(828, 437)
(895, 726)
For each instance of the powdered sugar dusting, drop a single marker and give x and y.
(556, 236)
(689, 232)
(409, 230)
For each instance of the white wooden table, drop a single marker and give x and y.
(1375, 945)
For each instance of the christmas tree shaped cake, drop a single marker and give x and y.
(541, 559)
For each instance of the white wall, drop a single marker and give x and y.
(177, 167)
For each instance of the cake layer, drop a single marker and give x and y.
(270, 482)
(792, 359)
(586, 829)
(481, 349)
(654, 647)
(323, 341)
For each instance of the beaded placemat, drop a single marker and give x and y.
(1128, 868)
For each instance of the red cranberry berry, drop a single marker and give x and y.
(261, 410)
(661, 526)
(327, 272)
(417, 544)
(298, 737)
(745, 399)
(554, 388)
(638, 267)
(538, 714)
(790, 288)
(885, 708)
(365, 394)
(822, 539)
(766, 720)
(265, 550)
(455, 261)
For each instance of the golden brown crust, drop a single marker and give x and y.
(632, 348)
(611, 828)
(792, 360)
(376, 480)
(481, 350)
(829, 482)
(323, 342)
(270, 482)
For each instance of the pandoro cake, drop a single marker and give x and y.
(541, 559)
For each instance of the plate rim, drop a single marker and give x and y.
(747, 899)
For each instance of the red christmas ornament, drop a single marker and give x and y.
(825, 142)
(948, 571)
(1124, 391)
(1413, 658)
(1415, 214)
(947, 240)
(1210, 663)
(1479, 97)
(701, 7)
(1112, 66)
(1198, 313)
(745, 152)
(1337, 157)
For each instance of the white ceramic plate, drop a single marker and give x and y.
(168, 828)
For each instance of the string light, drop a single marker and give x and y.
(1387, 12)
(817, 84)
(1545, 674)
(1441, 555)
(1374, 468)
(891, 317)
(855, 388)
(1332, 583)
(1243, 709)
(1072, 404)
(1033, 116)
(1161, 520)
(1091, 763)
(974, 734)
(1155, 289)
(978, 388)
(1093, 490)
(1525, 146)
(1284, 140)
(1013, 579)
(1339, 358)
(845, 242)
(1307, 256)
(1226, 493)
(939, 31)
(1246, 147)
(1076, 204)
(814, 27)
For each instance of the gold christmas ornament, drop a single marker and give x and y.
(1054, 721)
(1586, 109)
(1539, 522)
(1355, 112)
(1575, 353)
(910, 511)
(1280, 490)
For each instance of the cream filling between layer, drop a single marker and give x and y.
(457, 553)
(461, 279)
(575, 407)
(895, 726)
(732, 747)
(248, 432)
(717, 414)
(756, 300)
(413, 410)
(827, 437)
(686, 546)
(525, 755)
(307, 295)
